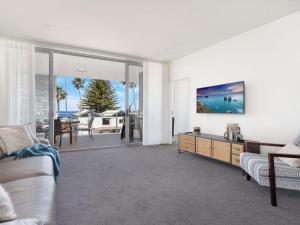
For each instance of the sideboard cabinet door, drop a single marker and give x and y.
(203, 146)
(221, 151)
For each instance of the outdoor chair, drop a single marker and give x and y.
(271, 171)
(42, 128)
(88, 127)
(59, 131)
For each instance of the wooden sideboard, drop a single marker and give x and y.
(186, 143)
(216, 147)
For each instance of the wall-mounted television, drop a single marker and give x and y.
(224, 98)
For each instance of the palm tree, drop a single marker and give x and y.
(66, 99)
(132, 86)
(61, 94)
(78, 84)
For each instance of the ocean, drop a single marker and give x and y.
(217, 104)
(64, 114)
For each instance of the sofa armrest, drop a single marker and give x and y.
(23, 222)
(265, 144)
(44, 141)
(282, 155)
(271, 157)
(272, 175)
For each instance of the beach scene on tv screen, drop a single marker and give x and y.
(225, 98)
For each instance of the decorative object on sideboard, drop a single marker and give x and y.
(233, 131)
(236, 134)
(197, 130)
(224, 98)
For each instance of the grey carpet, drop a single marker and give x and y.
(156, 186)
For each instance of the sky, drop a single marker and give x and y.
(237, 87)
(73, 98)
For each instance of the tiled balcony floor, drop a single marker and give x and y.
(84, 142)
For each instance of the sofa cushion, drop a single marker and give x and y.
(29, 129)
(14, 138)
(28, 221)
(12, 169)
(34, 198)
(7, 211)
(293, 150)
(2, 146)
(297, 141)
(44, 141)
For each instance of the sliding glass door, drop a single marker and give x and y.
(134, 103)
(90, 101)
(100, 97)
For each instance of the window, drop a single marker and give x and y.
(105, 121)
(121, 120)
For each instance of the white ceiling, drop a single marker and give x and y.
(66, 65)
(154, 29)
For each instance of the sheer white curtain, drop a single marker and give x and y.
(17, 83)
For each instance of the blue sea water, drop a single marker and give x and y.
(64, 114)
(217, 104)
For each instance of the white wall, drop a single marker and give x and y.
(268, 60)
(181, 107)
(156, 104)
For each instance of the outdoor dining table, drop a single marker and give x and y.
(69, 124)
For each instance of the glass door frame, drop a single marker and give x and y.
(51, 81)
(127, 107)
(51, 90)
(127, 114)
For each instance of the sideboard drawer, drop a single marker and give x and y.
(235, 160)
(187, 138)
(237, 149)
(187, 147)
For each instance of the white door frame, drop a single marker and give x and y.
(173, 101)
